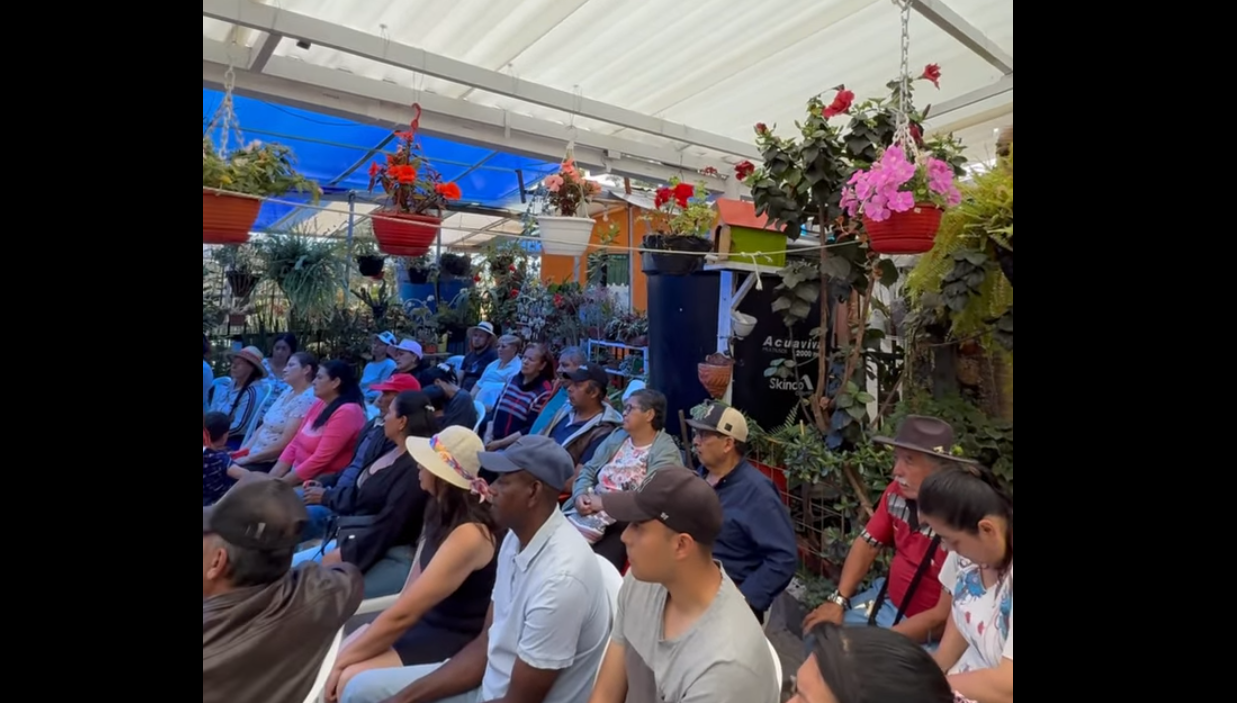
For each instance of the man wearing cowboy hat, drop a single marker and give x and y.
(909, 600)
(481, 353)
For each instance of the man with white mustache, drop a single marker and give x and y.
(910, 600)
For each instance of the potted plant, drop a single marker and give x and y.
(369, 261)
(568, 232)
(422, 269)
(455, 265)
(404, 226)
(235, 182)
(681, 221)
(239, 269)
(901, 199)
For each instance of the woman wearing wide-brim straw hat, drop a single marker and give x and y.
(240, 401)
(444, 603)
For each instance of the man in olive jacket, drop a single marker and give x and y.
(266, 627)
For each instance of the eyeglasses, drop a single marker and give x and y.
(632, 409)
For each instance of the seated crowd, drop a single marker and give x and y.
(500, 542)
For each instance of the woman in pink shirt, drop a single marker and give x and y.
(329, 432)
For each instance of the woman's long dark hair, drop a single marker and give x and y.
(349, 390)
(961, 499)
(875, 665)
(415, 406)
(240, 393)
(289, 339)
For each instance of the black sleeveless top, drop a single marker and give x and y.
(464, 610)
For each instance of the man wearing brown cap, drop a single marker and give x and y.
(910, 600)
(265, 626)
(683, 631)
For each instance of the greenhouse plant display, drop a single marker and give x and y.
(414, 189)
(568, 232)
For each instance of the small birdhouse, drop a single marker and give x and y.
(741, 231)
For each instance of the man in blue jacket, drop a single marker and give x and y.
(757, 546)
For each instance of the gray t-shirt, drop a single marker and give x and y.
(723, 658)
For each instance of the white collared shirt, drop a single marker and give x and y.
(550, 610)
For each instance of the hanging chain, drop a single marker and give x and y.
(902, 134)
(225, 117)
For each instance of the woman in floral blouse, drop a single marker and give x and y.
(283, 419)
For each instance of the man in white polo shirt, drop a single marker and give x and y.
(684, 633)
(549, 618)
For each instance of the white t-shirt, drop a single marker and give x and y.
(984, 616)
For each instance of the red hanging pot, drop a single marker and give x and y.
(404, 233)
(910, 232)
(227, 218)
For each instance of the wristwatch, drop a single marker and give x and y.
(841, 600)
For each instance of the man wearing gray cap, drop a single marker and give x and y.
(549, 618)
(265, 626)
(683, 631)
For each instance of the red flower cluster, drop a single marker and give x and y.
(841, 103)
(932, 72)
(680, 194)
(743, 169)
(761, 128)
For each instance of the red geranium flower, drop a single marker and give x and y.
(683, 192)
(743, 169)
(662, 197)
(761, 128)
(932, 72)
(841, 103)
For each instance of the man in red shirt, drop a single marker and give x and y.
(910, 600)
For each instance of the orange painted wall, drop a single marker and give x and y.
(556, 269)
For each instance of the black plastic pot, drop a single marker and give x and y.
(418, 276)
(1005, 257)
(242, 283)
(370, 265)
(455, 265)
(669, 264)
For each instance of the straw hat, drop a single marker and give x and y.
(451, 455)
(483, 327)
(254, 356)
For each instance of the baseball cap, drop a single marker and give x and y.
(387, 338)
(675, 497)
(410, 345)
(589, 372)
(719, 417)
(538, 455)
(397, 383)
(260, 513)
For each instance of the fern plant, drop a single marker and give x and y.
(962, 266)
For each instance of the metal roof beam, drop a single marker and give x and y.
(262, 52)
(974, 97)
(328, 91)
(248, 13)
(950, 22)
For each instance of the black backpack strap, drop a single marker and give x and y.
(924, 564)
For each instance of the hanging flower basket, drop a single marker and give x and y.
(565, 236)
(910, 232)
(715, 374)
(227, 218)
(241, 282)
(404, 233)
(669, 264)
(371, 266)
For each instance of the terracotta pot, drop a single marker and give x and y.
(405, 234)
(715, 374)
(226, 218)
(910, 232)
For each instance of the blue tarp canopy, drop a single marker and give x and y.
(336, 153)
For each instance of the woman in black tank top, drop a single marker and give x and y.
(443, 605)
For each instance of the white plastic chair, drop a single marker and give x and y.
(480, 416)
(220, 385)
(614, 583)
(376, 605)
(324, 671)
(456, 362)
(777, 666)
(263, 395)
(636, 385)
